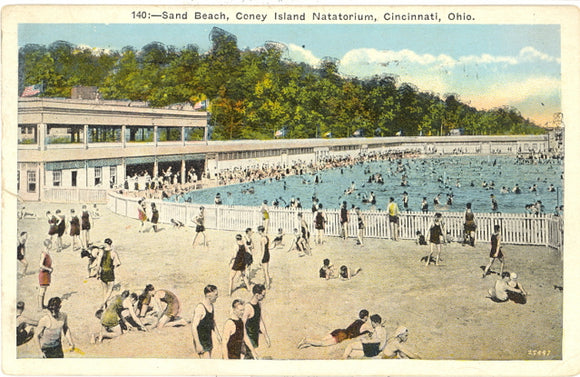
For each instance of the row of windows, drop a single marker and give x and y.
(338, 148)
(57, 176)
(250, 154)
(300, 151)
(71, 134)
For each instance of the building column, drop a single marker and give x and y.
(42, 129)
(40, 181)
(183, 135)
(86, 135)
(155, 135)
(155, 168)
(183, 178)
(123, 140)
(205, 129)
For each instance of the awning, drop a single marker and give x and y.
(62, 165)
(104, 162)
(139, 160)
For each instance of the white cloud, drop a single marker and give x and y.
(531, 54)
(488, 59)
(484, 81)
(389, 57)
(300, 54)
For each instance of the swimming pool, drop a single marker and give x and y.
(460, 176)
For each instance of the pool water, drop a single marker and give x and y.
(461, 176)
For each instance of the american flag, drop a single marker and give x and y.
(32, 90)
(200, 105)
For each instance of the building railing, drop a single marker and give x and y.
(522, 229)
(75, 195)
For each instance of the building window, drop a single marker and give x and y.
(98, 175)
(73, 178)
(56, 177)
(104, 134)
(27, 134)
(64, 134)
(31, 181)
(168, 133)
(136, 134)
(17, 180)
(113, 174)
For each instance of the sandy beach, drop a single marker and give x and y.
(444, 306)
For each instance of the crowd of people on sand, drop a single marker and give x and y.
(251, 252)
(158, 308)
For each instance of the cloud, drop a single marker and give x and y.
(300, 54)
(524, 80)
(531, 54)
(388, 57)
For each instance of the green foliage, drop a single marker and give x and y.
(254, 93)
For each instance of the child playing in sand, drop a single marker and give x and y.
(421, 238)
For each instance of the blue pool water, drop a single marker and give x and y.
(426, 177)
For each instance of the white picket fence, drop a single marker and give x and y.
(522, 229)
(75, 195)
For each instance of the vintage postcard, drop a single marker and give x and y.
(290, 190)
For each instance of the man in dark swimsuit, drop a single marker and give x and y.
(252, 317)
(203, 323)
(236, 343)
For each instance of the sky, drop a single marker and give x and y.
(486, 66)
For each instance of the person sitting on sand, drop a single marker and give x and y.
(168, 309)
(327, 270)
(421, 238)
(277, 241)
(354, 330)
(24, 325)
(395, 347)
(508, 288)
(371, 344)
